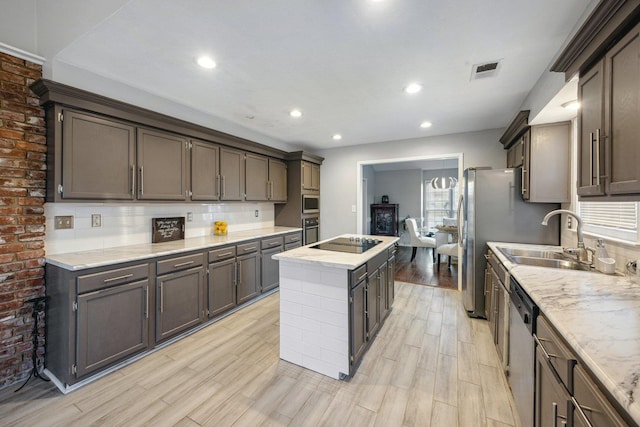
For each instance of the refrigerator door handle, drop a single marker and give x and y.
(461, 235)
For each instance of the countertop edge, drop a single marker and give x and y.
(121, 254)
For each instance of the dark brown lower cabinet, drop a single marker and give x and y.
(591, 407)
(391, 281)
(248, 276)
(382, 291)
(552, 400)
(222, 286)
(112, 324)
(180, 302)
(373, 308)
(358, 314)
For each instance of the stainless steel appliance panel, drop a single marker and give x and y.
(493, 210)
(310, 230)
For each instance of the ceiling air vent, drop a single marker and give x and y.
(486, 69)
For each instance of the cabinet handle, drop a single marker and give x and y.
(133, 179)
(182, 264)
(268, 191)
(591, 158)
(222, 184)
(239, 274)
(362, 277)
(295, 239)
(274, 243)
(146, 303)
(225, 254)
(218, 185)
(161, 299)
(597, 157)
(113, 279)
(524, 182)
(253, 248)
(580, 409)
(235, 274)
(141, 180)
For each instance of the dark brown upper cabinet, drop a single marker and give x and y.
(232, 174)
(98, 157)
(310, 177)
(257, 177)
(162, 166)
(608, 149)
(205, 171)
(278, 180)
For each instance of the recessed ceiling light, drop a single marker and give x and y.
(295, 113)
(413, 88)
(571, 105)
(337, 137)
(206, 62)
(425, 125)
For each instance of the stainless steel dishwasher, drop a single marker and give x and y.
(522, 314)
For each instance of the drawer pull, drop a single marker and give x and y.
(362, 277)
(274, 243)
(113, 279)
(225, 254)
(253, 248)
(295, 239)
(182, 264)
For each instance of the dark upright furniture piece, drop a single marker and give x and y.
(384, 219)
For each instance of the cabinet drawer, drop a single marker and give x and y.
(272, 242)
(92, 282)
(358, 275)
(392, 251)
(499, 269)
(179, 263)
(559, 356)
(247, 248)
(222, 254)
(593, 404)
(292, 238)
(375, 263)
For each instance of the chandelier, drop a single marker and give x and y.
(443, 182)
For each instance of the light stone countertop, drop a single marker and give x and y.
(597, 314)
(345, 260)
(100, 257)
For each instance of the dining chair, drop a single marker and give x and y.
(418, 241)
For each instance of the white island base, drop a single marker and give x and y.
(314, 305)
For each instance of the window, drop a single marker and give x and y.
(439, 204)
(618, 220)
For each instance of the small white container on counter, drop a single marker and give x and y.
(607, 265)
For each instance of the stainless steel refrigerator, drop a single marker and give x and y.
(492, 210)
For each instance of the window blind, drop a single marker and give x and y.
(619, 215)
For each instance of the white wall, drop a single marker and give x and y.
(403, 187)
(339, 172)
(369, 174)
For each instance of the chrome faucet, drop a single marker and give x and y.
(580, 252)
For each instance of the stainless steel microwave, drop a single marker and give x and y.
(310, 204)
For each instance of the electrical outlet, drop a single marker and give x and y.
(189, 216)
(63, 222)
(257, 213)
(96, 220)
(353, 208)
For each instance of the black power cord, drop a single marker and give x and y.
(39, 305)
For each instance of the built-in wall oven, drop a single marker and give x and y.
(310, 229)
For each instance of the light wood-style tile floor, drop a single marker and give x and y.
(429, 366)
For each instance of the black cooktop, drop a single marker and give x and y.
(354, 245)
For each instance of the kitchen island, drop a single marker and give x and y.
(332, 303)
(597, 315)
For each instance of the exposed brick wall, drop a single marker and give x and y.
(22, 191)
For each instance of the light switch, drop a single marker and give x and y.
(96, 220)
(353, 208)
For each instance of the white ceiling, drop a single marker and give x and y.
(344, 63)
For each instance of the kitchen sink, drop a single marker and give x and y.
(543, 258)
(551, 263)
(533, 253)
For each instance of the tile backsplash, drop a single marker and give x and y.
(127, 224)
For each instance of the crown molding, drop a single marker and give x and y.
(22, 54)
